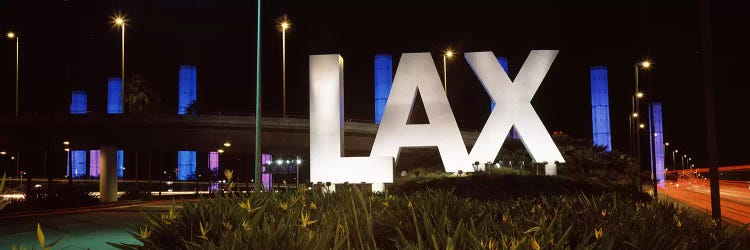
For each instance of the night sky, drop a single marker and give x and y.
(72, 44)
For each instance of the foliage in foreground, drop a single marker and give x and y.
(430, 219)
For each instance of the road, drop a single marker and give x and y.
(89, 228)
(735, 197)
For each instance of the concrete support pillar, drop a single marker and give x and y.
(108, 174)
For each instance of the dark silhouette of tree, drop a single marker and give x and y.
(140, 97)
(192, 109)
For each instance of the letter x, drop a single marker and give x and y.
(513, 107)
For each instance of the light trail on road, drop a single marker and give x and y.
(687, 187)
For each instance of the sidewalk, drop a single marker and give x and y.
(83, 228)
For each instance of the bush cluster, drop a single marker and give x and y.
(434, 219)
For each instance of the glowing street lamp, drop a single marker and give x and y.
(14, 36)
(221, 151)
(634, 132)
(227, 144)
(284, 25)
(119, 21)
(448, 54)
(646, 64)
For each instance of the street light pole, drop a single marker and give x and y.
(120, 21)
(636, 109)
(18, 165)
(446, 55)
(634, 119)
(445, 75)
(122, 69)
(284, 27)
(683, 160)
(708, 85)
(17, 76)
(14, 36)
(257, 106)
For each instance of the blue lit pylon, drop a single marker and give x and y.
(600, 107)
(657, 141)
(383, 83)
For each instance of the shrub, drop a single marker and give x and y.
(351, 219)
(502, 186)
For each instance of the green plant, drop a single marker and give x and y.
(436, 219)
(3, 201)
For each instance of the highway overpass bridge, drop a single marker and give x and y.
(167, 133)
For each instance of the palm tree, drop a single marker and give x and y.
(140, 97)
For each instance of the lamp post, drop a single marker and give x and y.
(69, 161)
(257, 105)
(284, 26)
(674, 163)
(296, 168)
(120, 21)
(652, 142)
(448, 54)
(637, 95)
(14, 36)
(683, 161)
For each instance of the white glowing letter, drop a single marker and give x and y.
(417, 72)
(327, 134)
(514, 108)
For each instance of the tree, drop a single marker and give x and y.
(140, 97)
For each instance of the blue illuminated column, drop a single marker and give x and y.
(120, 163)
(383, 82)
(657, 139)
(600, 107)
(78, 102)
(185, 165)
(187, 94)
(114, 95)
(78, 159)
(114, 106)
(187, 88)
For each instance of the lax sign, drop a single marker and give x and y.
(417, 72)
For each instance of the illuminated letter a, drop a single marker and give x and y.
(417, 72)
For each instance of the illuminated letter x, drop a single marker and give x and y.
(513, 107)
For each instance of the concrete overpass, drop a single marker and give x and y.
(39, 139)
(167, 132)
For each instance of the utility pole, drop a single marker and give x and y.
(708, 90)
